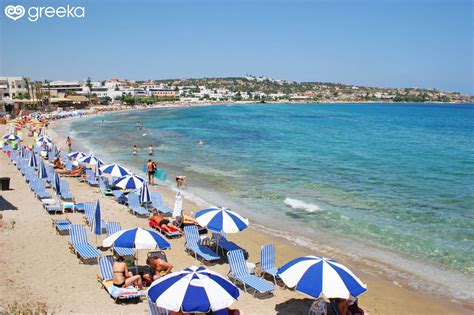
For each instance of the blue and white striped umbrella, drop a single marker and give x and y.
(115, 170)
(90, 159)
(97, 222)
(222, 219)
(145, 196)
(57, 183)
(44, 139)
(42, 174)
(193, 289)
(76, 155)
(130, 182)
(22, 151)
(32, 160)
(136, 238)
(321, 277)
(98, 172)
(11, 137)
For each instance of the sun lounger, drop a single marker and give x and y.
(155, 310)
(62, 226)
(193, 244)
(52, 205)
(90, 178)
(169, 232)
(103, 188)
(134, 205)
(120, 197)
(105, 279)
(79, 244)
(220, 239)
(39, 188)
(157, 203)
(89, 211)
(239, 272)
(65, 194)
(114, 227)
(267, 261)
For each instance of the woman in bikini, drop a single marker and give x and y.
(122, 278)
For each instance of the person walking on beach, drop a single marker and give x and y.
(135, 150)
(69, 144)
(150, 150)
(151, 169)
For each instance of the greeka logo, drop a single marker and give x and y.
(16, 12)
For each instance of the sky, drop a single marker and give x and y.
(384, 43)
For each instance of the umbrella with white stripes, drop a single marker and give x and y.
(130, 182)
(321, 277)
(114, 169)
(193, 289)
(136, 238)
(222, 219)
(90, 159)
(145, 196)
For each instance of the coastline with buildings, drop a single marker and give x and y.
(75, 94)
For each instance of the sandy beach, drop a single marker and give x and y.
(41, 273)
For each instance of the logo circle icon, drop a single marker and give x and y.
(14, 12)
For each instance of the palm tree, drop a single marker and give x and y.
(89, 85)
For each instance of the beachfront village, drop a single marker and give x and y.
(49, 95)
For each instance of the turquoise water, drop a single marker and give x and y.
(397, 176)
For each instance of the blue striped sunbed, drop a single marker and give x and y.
(135, 207)
(222, 243)
(104, 189)
(105, 278)
(267, 261)
(89, 211)
(155, 310)
(239, 272)
(62, 226)
(90, 178)
(114, 227)
(193, 244)
(157, 203)
(65, 194)
(120, 197)
(80, 245)
(51, 205)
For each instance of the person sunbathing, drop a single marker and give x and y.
(77, 172)
(57, 163)
(158, 268)
(162, 221)
(122, 278)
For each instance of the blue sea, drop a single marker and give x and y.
(397, 178)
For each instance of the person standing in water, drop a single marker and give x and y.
(135, 150)
(69, 144)
(150, 170)
(150, 150)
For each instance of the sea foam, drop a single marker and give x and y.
(298, 204)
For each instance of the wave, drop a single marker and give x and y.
(298, 204)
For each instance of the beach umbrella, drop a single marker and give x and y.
(98, 172)
(96, 223)
(57, 183)
(178, 205)
(44, 139)
(32, 161)
(90, 159)
(193, 290)
(76, 155)
(115, 170)
(130, 182)
(42, 170)
(11, 137)
(145, 196)
(22, 151)
(221, 219)
(136, 238)
(318, 276)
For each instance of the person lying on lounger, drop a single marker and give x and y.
(77, 172)
(122, 278)
(158, 268)
(57, 163)
(162, 221)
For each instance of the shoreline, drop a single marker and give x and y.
(168, 195)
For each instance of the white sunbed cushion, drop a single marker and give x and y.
(127, 293)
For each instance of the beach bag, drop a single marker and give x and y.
(318, 307)
(153, 166)
(354, 309)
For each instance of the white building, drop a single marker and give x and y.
(10, 87)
